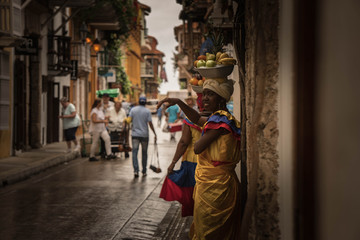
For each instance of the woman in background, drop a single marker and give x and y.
(97, 129)
(179, 184)
(71, 122)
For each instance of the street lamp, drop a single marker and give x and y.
(96, 46)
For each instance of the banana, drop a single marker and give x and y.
(218, 56)
(227, 60)
(228, 63)
(223, 55)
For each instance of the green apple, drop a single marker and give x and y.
(210, 56)
(210, 63)
(201, 63)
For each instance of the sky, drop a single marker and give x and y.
(164, 16)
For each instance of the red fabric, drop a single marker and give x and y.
(199, 102)
(175, 127)
(212, 125)
(192, 125)
(172, 192)
(217, 163)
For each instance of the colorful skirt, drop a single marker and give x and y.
(179, 186)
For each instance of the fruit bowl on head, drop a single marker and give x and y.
(219, 71)
(197, 89)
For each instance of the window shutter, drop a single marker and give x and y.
(4, 90)
(10, 17)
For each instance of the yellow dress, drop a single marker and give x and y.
(216, 193)
(189, 154)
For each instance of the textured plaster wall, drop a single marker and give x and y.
(261, 89)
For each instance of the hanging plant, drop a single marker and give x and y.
(114, 48)
(124, 10)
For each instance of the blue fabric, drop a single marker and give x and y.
(173, 111)
(141, 116)
(206, 46)
(136, 141)
(216, 118)
(159, 112)
(185, 176)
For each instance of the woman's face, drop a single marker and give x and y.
(99, 104)
(211, 100)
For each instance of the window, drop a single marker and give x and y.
(4, 90)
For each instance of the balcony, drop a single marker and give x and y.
(10, 22)
(106, 19)
(72, 3)
(59, 63)
(81, 53)
(147, 72)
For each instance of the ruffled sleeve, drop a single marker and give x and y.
(223, 119)
(191, 124)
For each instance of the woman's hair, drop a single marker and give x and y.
(64, 100)
(96, 102)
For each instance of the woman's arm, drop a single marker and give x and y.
(95, 120)
(208, 137)
(184, 142)
(72, 115)
(191, 113)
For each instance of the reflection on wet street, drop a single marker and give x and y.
(87, 200)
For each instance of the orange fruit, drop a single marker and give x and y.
(195, 63)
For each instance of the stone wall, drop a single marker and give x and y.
(261, 216)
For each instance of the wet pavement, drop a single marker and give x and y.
(78, 199)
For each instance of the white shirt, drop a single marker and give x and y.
(108, 107)
(97, 127)
(116, 119)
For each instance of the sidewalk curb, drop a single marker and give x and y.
(173, 225)
(37, 168)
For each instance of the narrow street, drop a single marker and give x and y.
(88, 200)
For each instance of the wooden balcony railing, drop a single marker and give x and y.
(81, 53)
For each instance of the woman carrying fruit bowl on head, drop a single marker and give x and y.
(216, 193)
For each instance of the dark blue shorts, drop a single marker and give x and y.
(70, 133)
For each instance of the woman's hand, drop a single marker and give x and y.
(170, 101)
(171, 168)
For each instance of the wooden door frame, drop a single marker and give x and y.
(305, 218)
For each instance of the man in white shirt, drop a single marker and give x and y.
(116, 117)
(106, 105)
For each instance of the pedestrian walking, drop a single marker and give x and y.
(71, 122)
(97, 129)
(172, 115)
(159, 113)
(126, 106)
(216, 193)
(140, 117)
(179, 184)
(106, 104)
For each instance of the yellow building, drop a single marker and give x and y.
(132, 52)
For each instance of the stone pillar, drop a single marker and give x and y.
(35, 103)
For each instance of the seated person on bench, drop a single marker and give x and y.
(117, 116)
